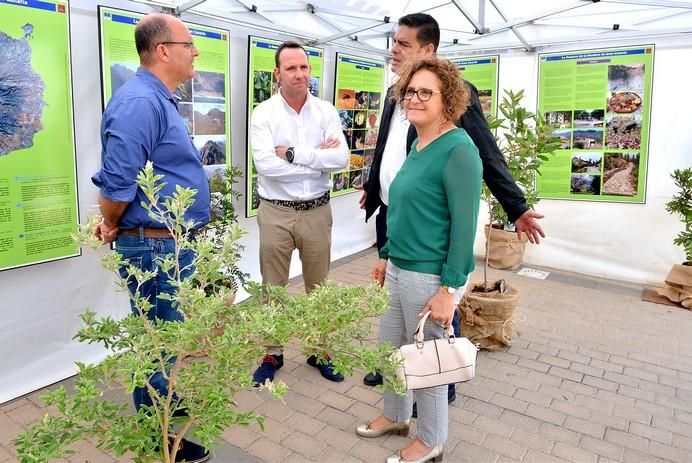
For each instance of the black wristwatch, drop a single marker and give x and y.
(290, 154)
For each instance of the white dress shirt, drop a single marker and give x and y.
(394, 153)
(274, 123)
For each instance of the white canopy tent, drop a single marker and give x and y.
(609, 240)
(468, 26)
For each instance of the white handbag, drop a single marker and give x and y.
(436, 362)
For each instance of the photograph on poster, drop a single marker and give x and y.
(186, 110)
(374, 100)
(586, 163)
(209, 119)
(263, 82)
(339, 181)
(356, 160)
(486, 98)
(359, 119)
(587, 139)
(588, 118)
(623, 131)
(371, 138)
(314, 86)
(559, 119)
(184, 92)
(346, 117)
(346, 99)
(358, 140)
(585, 184)
(356, 179)
(626, 77)
(361, 100)
(373, 119)
(369, 156)
(211, 148)
(209, 87)
(620, 174)
(565, 136)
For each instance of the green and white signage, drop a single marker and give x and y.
(204, 101)
(359, 97)
(38, 180)
(261, 86)
(482, 72)
(599, 102)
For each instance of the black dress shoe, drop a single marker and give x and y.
(373, 379)
(450, 398)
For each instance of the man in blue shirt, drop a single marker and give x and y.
(141, 124)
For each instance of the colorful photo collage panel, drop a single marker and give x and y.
(359, 112)
(605, 143)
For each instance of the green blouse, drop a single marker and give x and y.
(433, 209)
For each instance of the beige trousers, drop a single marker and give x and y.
(283, 229)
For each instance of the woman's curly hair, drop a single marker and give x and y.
(455, 94)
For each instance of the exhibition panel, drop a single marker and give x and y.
(359, 97)
(599, 102)
(38, 171)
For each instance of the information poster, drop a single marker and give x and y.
(358, 94)
(599, 102)
(482, 72)
(261, 86)
(204, 101)
(38, 180)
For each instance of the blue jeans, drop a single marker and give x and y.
(146, 254)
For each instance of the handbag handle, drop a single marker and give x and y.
(418, 336)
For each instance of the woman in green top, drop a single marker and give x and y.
(431, 223)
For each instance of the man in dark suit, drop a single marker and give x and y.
(418, 35)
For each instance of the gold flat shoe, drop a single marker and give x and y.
(435, 455)
(402, 429)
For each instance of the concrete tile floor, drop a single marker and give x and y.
(595, 375)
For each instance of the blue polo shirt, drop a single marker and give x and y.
(141, 123)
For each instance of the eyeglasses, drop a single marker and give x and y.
(189, 44)
(424, 94)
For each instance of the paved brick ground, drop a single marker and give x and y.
(595, 375)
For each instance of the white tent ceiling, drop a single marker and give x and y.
(468, 26)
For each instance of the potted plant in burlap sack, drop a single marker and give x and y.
(678, 287)
(487, 309)
(526, 142)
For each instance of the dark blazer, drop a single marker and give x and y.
(495, 171)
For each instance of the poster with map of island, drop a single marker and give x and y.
(204, 101)
(38, 181)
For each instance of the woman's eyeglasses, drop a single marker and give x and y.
(424, 94)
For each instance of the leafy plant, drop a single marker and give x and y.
(207, 358)
(681, 205)
(526, 141)
(223, 217)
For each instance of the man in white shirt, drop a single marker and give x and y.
(297, 142)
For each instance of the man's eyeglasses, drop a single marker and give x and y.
(189, 44)
(424, 94)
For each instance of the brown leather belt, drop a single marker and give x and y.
(148, 232)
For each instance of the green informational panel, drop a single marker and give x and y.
(482, 72)
(359, 97)
(38, 181)
(599, 102)
(204, 100)
(261, 86)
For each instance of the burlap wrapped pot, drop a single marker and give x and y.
(487, 319)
